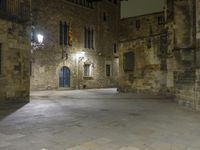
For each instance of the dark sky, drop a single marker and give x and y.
(140, 7)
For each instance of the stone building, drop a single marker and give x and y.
(14, 50)
(182, 64)
(164, 58)
(142, 53)
(77, 45)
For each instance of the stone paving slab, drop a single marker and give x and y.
(6, 140)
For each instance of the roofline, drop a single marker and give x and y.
(138, 16)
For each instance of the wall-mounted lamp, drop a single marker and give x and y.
(80, 55)
(40, 38)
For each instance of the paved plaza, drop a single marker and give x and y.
(98, 120)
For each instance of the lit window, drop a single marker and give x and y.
(87, 70)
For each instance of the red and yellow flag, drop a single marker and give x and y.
(70, 36)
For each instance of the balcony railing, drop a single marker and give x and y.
(15, 10)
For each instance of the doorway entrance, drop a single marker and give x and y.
(64, 77)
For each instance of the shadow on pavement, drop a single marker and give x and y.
(8, 109)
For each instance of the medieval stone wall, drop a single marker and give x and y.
(182, 50)
(15, 60)
(144, 40)
(49, 58)
(171, 64)
(198, 33)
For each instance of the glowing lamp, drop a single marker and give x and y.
(40, 38)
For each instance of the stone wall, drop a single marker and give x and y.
(49, 58)
(182, 49)
(198, 33)
(170, 65)
(15, 60)
(145, 41)
(184, 24)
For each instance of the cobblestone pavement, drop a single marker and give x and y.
(98, 120)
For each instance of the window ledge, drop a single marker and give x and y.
(108, 76)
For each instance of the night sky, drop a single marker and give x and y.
(140, 7)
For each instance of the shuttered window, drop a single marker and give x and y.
(64, 33)
(129, 61)
(89, 38)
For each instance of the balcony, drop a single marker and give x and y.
(15, 10)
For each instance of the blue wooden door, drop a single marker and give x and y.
(64, 77)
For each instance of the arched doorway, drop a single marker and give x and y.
(64, 77)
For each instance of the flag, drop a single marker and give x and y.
(70, 36)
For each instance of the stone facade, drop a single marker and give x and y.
(171, 65)
(74, 44)
(50, 57)
(181, 28)
(14, 51)
(143, 36)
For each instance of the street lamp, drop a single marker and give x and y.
(37, 41)
(79, 57)
(40, 38)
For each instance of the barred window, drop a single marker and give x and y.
(108, 70)
(87, 70)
